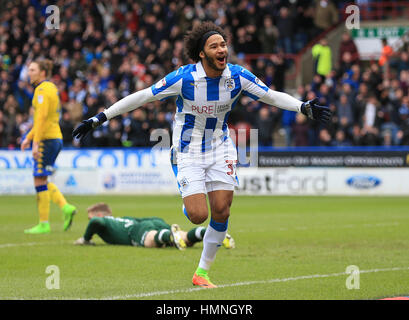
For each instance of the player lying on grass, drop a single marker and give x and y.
(149, 232)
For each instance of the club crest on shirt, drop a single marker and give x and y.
(229, 84)
(160, 83)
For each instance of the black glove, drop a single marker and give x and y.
(316, 112)
(87, 125)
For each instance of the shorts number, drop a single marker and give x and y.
(231, 164)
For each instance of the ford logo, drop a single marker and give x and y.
(363, 182)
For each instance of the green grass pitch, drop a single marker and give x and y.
(286, 248)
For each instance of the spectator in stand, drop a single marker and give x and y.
(105, 50)
(305, 29)
(341, 139)
(404, 81)
(160, 123)
(280, 66)
(346, 89)
(114, 133)
(287, 121)
(386, 54)
(324, 95)
(285, 24)
(401, 63)
(138, 129)
(243, 41)
(374, 80)
(344, 112)
(353, 76)
(322, 54)
(66, 126)
(370, 131)
(300, 130)
(345, 63)
(325, 139)
(268, 35)
(356, 137)
(3, 134)
(403, 134)
(326, 14)
(347, 48)
(359, 103)
(265, 123)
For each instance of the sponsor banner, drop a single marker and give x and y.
(78, 181)
(142, 171)
(90, 158)
(85, 171)
(323, 181)
(368, 39)
(145, 158)
(159, 180)
(94, 181)
(16, 182)
(334, 159)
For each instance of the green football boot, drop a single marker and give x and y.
(41, 228)
(68, 211)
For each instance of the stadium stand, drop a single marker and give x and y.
(105, 50)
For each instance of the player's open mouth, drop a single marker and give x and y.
(221, 59)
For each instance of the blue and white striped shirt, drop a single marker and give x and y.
(204, 104)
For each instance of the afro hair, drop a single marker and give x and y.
(192, 39)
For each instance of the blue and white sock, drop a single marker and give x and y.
(213, 239)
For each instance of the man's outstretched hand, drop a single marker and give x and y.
(87, 125)
(316, 112)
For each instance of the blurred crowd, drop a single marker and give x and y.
(369, 102)
(103, 50)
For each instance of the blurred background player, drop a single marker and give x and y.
(149, 232)
(46, 141)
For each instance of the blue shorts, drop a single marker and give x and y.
(49, 150)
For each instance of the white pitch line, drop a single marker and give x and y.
(9, 245)
(246, 283)
(28, 244)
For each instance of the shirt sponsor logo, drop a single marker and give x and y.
(203, 109)
(363, 182)
(211, 109)
(222, 108)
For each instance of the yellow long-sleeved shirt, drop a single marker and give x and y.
(46, 103)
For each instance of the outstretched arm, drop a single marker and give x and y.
(129, 103)
(281, 100)
(309, 108)
(167, 87)
(255, 88)
(124, 105)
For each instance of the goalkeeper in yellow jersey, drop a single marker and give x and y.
(46, 139)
